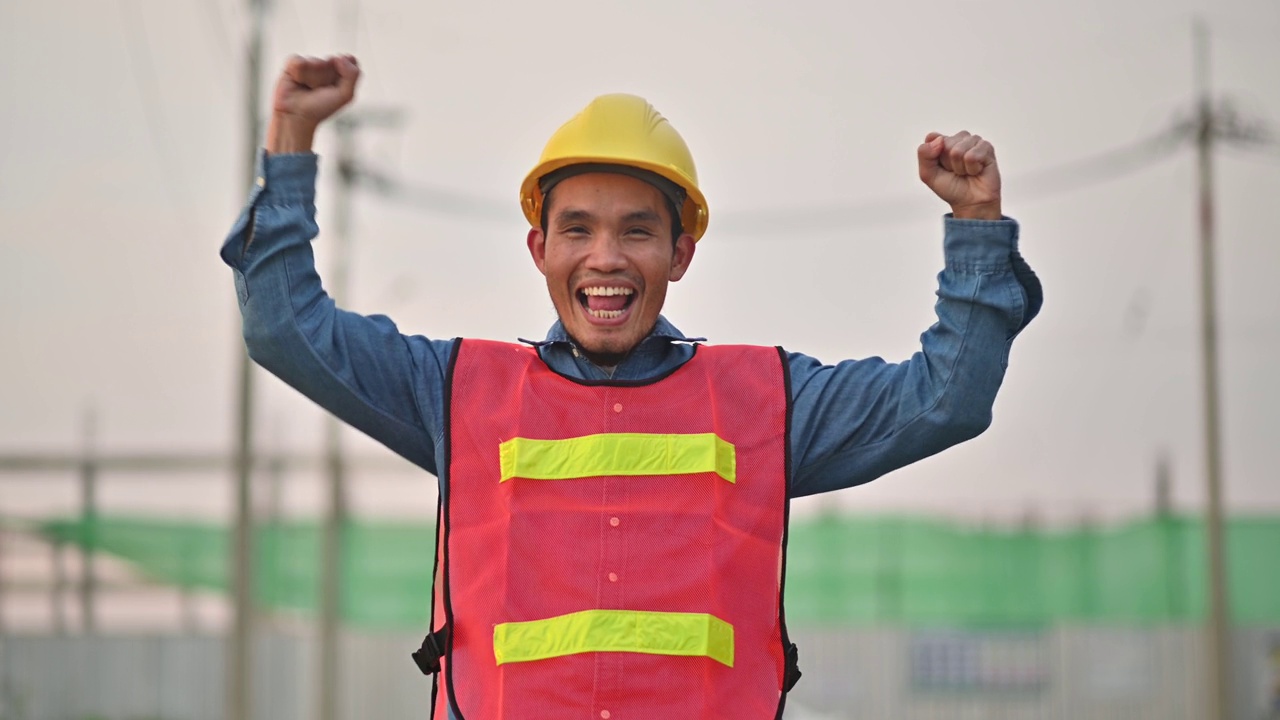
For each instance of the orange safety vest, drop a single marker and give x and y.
(613, 550)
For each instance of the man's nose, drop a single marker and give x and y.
(605, 253)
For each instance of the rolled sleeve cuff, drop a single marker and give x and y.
(991, 246)
(979, 245)
(279, 181)
(285, 179)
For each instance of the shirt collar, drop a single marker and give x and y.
(662, 330)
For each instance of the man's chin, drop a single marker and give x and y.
(607, 351)
(605, 359)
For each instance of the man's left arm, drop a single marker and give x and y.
(860, 419)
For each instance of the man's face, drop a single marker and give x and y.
(607, 256)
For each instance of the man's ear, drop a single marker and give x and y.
(681, 257)
(537, 242)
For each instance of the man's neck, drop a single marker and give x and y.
(608, 362)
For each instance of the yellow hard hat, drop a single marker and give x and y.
(620, 130)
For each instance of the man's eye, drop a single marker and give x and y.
(642, 232)
(574, 230)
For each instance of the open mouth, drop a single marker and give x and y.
(606, 302)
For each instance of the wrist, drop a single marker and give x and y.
(289, 134)
(980, 211)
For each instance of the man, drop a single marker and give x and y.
(614, 497)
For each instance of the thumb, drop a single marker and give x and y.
(348, 74)
(928, 154)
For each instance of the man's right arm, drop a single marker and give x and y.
(362, 369)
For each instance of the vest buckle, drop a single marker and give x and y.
(427, 657)
(792, 673)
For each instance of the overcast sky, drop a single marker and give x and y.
(122, 167)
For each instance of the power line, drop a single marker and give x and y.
(1233, 128)
(435, 198)
(144, 76)
(1267, 153)
(1059, 179)
(219, 29)
(1106, 166)
(1055, 180)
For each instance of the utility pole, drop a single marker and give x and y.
(334, 527)
(1163, 487)
(6, 680)
(1213, 123)
(336, 519)
(58, 589)
(4, 627)
(89, 517)
(239, 691)
(1218, 627)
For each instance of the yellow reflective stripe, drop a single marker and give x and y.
(654, 633)
(617, 454)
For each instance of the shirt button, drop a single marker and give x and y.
(617, 407)
(615, 521)
(613, 577)
(604, 714)
(262, 182)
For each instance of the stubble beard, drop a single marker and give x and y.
(608, 357)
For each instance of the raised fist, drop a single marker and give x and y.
(961, 169)
(309, 91)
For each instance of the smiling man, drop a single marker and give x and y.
(607, 253)
(614, 497)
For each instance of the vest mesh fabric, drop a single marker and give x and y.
(527, 550)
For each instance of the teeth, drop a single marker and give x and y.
(605, 314)
(606, 291)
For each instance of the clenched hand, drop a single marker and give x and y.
(309, 91)
(961, 169)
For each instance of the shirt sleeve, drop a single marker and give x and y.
(857, 420)
(360, 368)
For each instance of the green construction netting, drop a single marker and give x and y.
(840, 570)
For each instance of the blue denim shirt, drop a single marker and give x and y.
(851, 422)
